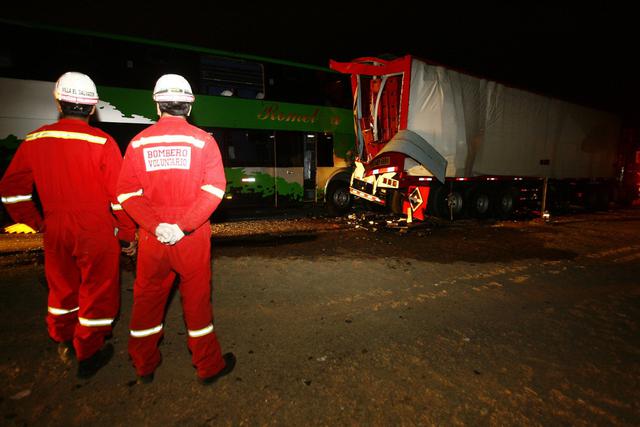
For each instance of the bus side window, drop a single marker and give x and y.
(231, 77)
(325, 149)
(249, 148)
(218, 135)
(289, 149)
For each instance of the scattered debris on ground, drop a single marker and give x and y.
(375, 222)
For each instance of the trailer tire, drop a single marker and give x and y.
(558, 198)
(591, 198)
(622, 195)
(448, 204)
(479, 203)
(397, 200)
(505, 202)
(602, 198)
(437, 205)
(455, 204)
(339, 200)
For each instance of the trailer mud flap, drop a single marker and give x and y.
(413, 145)
(417, 202)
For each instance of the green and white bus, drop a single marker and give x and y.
(285, 130)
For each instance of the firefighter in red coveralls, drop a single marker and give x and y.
(75, 169)
(171, 181)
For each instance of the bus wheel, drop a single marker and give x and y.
(339, 199)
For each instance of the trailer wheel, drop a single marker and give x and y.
(437, 205)
(455, 204)
(558, 199)
(445, 203)
(591, 198)
(505, 203)
(397, 200)
(339, 200)
(602, 198)
(622, 195)
(479, 203)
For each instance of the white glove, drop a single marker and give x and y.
(168, 233)
(164, 232)
(176, 234)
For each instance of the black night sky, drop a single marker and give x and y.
(585, 54)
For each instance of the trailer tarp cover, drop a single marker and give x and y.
(485, 128)
(414, 146)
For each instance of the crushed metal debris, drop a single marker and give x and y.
(375, 222)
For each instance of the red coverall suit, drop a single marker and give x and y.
(173, 173)
(75, 168)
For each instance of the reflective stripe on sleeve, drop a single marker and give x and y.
(94, 322)
(61, 311)
(16, 199)
(213, 190)
(168, 139)
(66, 135)
(201, 332)
(116, 207)
(125, 196)
(140, 333)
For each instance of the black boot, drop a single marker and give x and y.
(145, 379)
(230, 363)
(66, 352)
(88, 367)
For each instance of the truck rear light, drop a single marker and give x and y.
(390, 182)
(379, 171)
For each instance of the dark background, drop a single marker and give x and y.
(582, 53)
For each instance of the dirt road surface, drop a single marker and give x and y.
(468, 323)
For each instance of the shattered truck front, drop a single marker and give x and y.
(394, 165)
(373, 181)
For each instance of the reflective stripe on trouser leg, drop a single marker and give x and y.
(151, 289)
(61, 311)
(99, 296)
(82, 267)
(63, 280)
(143, 348)
(61, 323)
(92, 323)
(201, 332)
(142, 333)
(146, 328)
(191, 260)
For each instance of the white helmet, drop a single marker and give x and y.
(173, 88)
(76, 88)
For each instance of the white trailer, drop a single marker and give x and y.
(431, 140)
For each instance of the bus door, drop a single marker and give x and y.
(249, 163)
(309, 167)
(289, 161)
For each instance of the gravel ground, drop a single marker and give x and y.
(467, 323)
